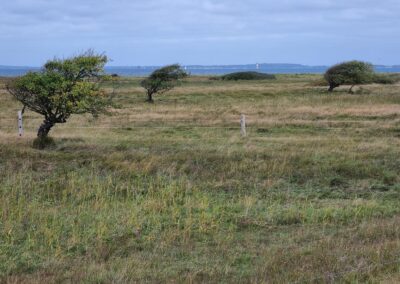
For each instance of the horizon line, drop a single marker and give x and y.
(203, 65)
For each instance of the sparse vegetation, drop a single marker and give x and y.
(172, 193)
(163, 80)
(248, 76)
(349, 73)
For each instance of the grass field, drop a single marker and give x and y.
(170, 192)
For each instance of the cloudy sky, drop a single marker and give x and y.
(156, 32)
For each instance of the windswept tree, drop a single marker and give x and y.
(163, 80)
(63, 87)
(349, 73)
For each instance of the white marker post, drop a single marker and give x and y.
(20, 129)
(243, 125)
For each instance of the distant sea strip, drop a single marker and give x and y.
(141, 71)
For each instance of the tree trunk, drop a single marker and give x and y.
(150, 97)
(331, 87)
(44, 129)
(351, 90)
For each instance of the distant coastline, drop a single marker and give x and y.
(272, 68)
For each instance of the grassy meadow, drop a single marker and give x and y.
(170, 191)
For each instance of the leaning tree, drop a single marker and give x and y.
(349, 73)
(63, 87)
(163, 80)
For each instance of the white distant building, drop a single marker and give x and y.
(257, 66)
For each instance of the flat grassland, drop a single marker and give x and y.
(170, 191)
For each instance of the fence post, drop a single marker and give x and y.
(243, 125)
(20, 129)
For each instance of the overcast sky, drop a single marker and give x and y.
(157, 32)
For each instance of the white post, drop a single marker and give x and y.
(243, 125)
(20, 129)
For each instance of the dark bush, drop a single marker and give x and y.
(248, 76)
(386, 79)
(349, 73)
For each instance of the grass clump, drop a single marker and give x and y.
(42, 143)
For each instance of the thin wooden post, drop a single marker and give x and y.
(243, 125)
(20, 129)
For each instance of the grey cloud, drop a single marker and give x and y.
(178, 21)
(216, 17)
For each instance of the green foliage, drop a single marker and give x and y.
(248, 76)
(349, 73)
(163, 80)
(62, 88)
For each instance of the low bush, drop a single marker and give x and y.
(248, 76)
(386, 79)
